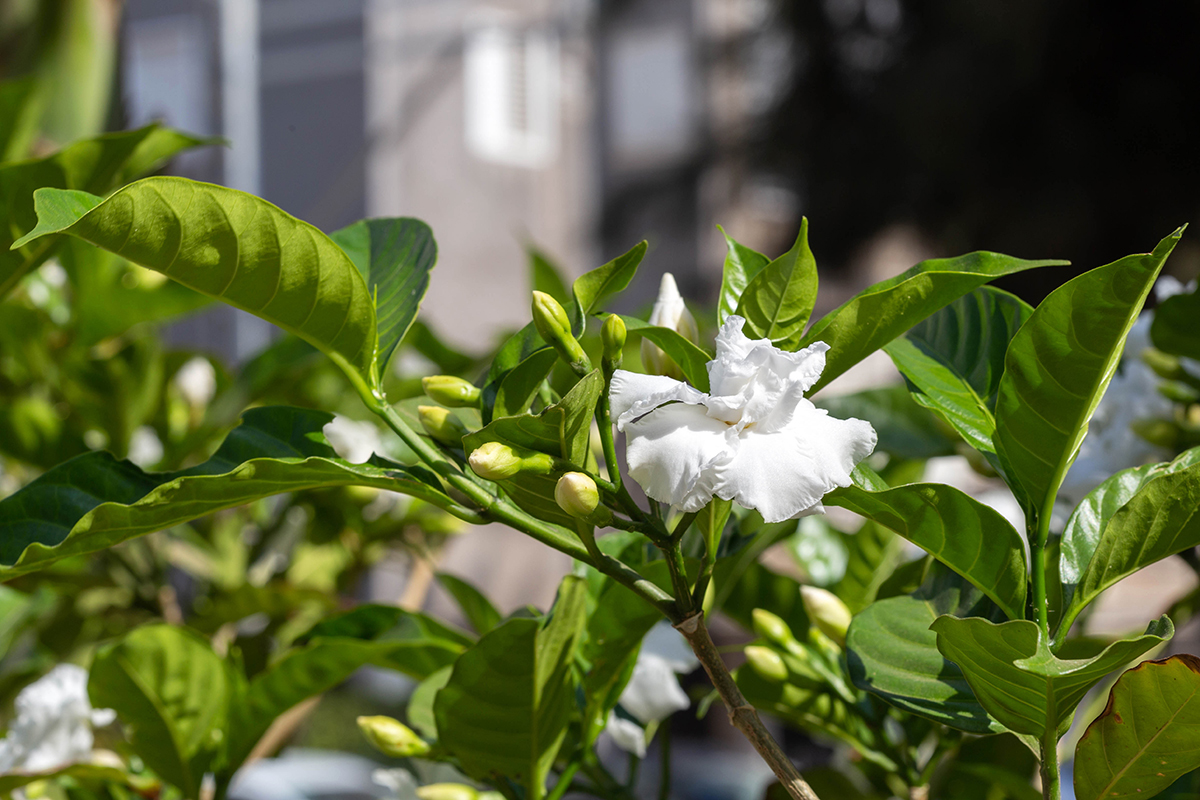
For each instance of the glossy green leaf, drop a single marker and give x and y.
(891, 652)
(953, 360)
(1147, 736)
(172, 691)
(518, 347)
(971, 538)
(1161, 519)
(95, 501)
(93, 165)
(1022, 684)
(593, 288)
(394, 255)
(232, 246)
(303, 672)
(545, 276)
(1174, 328)
(880, 313)
(505, 709)
(478, 610)
(516, 389)
(905, 429)
(778, 301)
(741, 265)
(1057, 368)
(691, 358)
(416, 644)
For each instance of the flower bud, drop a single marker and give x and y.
(443, 426)
(393, 738)
(612, 335)
(827, 612)
(496, 461)
(450, 391)
(669, 312)
(771, 627)
(447, 791)
(554, 326)
(577, 495)
(767, 663)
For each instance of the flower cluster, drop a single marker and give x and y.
(53, 726)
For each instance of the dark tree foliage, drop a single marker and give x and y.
(1032, 127)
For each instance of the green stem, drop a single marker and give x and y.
(564, 781)
(1037, 546)
(609, 445)
(679, 579)
(682, 525)
(1051, 790)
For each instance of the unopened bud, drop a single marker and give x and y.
(767, 663)
(439, 423)
(496, 461)
(771, 627)
(669, 312)
(577, 495)
(827, 612)
(392, 737)
(447, 791)
(554, 326)
(612, 336)
(450, 391)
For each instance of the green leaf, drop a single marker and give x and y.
(169, 687)
(416, 644)
(478, 610)
(1019, 681)
(741, 265)
(969, 537)
(235, 247)
(593, 288)
(394, 255)
(1174, 328)
(95, 501)
(1159, 520)
(691, 358)
(505, 709)
(873, 553)
(891, 652)
(547, 277)
(953, 360)
(778, 301)
(302, 672)
(18, 118)
(1057, 368)
(516, 389)
(880, 313)
(905, 429)
(82, 772)
(420, 704)
(94, 165)
(1147, 736)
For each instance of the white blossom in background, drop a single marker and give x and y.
(755, 439)
(669, 312)
(353, 440)
(197, 382)
(653, 692)
(399, 782)
(53, 725)
(1111, 444)
(145, 448)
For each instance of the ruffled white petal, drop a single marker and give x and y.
(626, 734)
(673, 452)
(653, 692)
(633, 394)
(786, 473)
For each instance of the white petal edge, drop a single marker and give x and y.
(633, 394)
(673, 451)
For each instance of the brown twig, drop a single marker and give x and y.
(742, 715)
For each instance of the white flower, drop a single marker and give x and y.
(653, 692)
(197, 382)
(145, 448)
(755, 439)
(53, 722)
(399, 782)
(669, 312)
(354, 441)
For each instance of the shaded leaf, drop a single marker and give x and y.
(514, 392)
(1174, 329)
(416, 644)
(905, 429)
(478, 610)
(741, 265)
(880, 313)
(546, 277)
(1057, 368)
(1147, 736)
(872, 555)
(778, 301)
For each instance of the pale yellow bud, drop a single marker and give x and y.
(827, 612)
(392, 737)
(439, 423)
(447, 791)
(450, 391)
(495, 461)
(554, 326)
(767, 663)
(669, 312)
(771, 627)
(577, 495)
